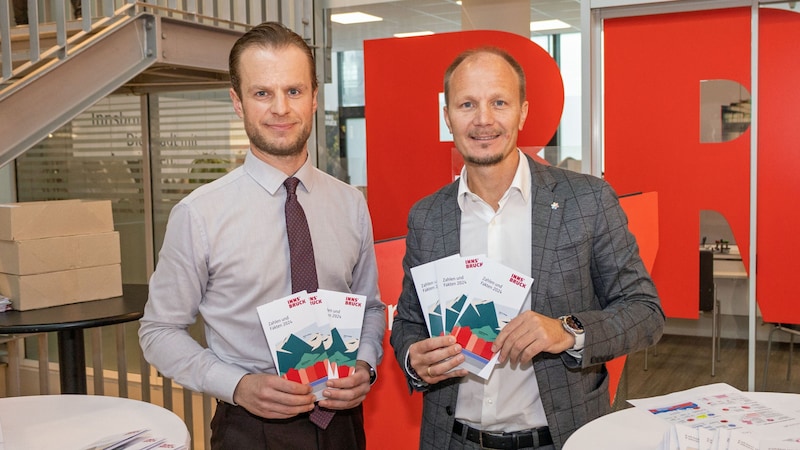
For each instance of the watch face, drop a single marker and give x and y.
(574, 323)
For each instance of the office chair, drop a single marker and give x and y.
(791, 329)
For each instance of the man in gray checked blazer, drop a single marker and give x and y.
(591, 300)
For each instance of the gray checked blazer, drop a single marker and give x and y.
(584, 262)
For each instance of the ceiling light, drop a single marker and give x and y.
(554, 24)
(354, 17)
(413, 33)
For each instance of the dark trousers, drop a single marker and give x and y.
(233, 427)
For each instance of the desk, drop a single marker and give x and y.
(69, 321)
(635, 429)
(75, 421)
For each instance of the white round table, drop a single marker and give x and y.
(635, 429)
(76, 421)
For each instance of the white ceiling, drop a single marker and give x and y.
(439, 16)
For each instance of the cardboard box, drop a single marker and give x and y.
(61, 288)
(34, 220)
(32, 256)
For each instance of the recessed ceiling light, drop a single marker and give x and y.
(354, 17)
(554, 24)
(413, 33)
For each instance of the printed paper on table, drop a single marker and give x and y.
(345, 312)
(707, 417)
(116, 440)
(296, 339)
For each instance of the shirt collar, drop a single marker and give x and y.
(271, 179)
(521, 181)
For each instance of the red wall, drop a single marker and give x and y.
(778, 164)
(391, 414)
(653, 68)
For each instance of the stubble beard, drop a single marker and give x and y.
(260, 143)
(485, 160)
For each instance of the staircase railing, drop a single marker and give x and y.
(26, 48)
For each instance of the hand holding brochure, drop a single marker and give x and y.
(314, 337)
(495, 298)
(476, 298)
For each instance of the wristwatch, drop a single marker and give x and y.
(575, 328)
(373, 374)
(572, 325)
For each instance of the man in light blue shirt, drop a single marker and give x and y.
(226, 252)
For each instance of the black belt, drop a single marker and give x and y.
(535, 438)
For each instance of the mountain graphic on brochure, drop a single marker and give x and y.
(435, 319)
(452, 312)
(471, 341)
(312, 374)
(295, 353)
(342, 359)
(479, 315)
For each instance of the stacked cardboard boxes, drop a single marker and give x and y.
(58, 252)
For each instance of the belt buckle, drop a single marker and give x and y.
(480, 439)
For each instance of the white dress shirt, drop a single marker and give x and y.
(509, 400)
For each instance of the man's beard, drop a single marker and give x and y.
(485, 161)
(270, 148)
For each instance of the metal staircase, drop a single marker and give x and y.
(53, 71)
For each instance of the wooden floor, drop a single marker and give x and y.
(682, 362)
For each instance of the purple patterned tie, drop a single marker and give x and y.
(304, 271)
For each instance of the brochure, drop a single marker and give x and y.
(426, 283)
(146, 443)
(495, 297)
(296, 340)
(345, 313)
(114, 441)
(474, 297)
(454, 280)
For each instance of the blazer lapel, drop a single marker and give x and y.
(450, 221)
(546, 216)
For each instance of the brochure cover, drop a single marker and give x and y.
(146, 443)
(495, 297)
(426, 283)
(346, 317)
(296, 340)
(454, 277)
